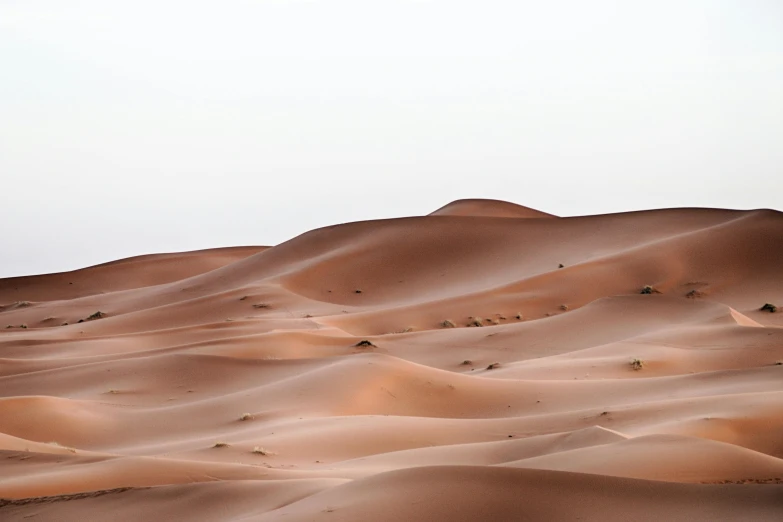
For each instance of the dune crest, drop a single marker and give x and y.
(488, 208)
(454, 366)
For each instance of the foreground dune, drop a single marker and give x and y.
(343, 375)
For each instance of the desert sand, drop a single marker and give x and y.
(485, 362)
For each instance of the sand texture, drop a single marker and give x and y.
(484, 362)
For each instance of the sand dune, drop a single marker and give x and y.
(343, 375)
(662, 457)
(488, 208)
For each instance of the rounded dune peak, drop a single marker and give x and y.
(489, 208)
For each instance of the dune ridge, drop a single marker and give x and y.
(486, 360)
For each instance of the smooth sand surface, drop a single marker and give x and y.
(342, 375)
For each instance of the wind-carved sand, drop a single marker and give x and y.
(485, 362)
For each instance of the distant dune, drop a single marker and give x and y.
(488, 208)
(455, 366)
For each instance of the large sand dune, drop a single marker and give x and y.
(343, 375)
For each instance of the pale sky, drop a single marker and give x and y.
(137, 127)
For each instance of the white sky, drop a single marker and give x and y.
(150, 126)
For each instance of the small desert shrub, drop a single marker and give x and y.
(637, 364)
(23, 326)
(778, 363)
(446, 323)
(694, 294)
(406, 330)
(649, 289)
(221, 445)
(96, 315)
(245, 416)
(113, 391)
(519, 316)
(475, 321)
(466, 362)
(561, 265)
(243, 298)
(769, 307)
(493, 366)
(258, 450)
(364, 343)
(564, 307)
(262, 305)
(358, 291)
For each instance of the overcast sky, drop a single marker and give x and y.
(151, 126)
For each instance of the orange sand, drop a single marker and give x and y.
(537, 415)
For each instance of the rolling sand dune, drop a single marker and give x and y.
(485, 362)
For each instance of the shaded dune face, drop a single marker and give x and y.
(485, 361)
